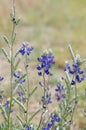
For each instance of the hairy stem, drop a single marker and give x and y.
(11, 66)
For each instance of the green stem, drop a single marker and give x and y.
(39, 123)
(44, 105)
(28, 89)
(75, 101)
(11, 66)
(34, 115)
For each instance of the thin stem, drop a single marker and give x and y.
(44, 83)
(11, 66)
(44, 105)
(39, 123)
(34, 115)
(75, 101)
(28, 89)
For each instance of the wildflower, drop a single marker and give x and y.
(28, 127)
(54, 118)
(46, 99)
(6, 105)
(46, 60)
(26, 49)
(21, 96)
(1, 78)
(18, 76)
(76, 72)
(59, 91)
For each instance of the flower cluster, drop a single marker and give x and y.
(26, 49)
(45, 63)
(20, 89)
(6, 105)
(54, 118)
(59, 91)
(46, 99)
(21, 96)
(27, 127)
(19, 76)
(76, 72)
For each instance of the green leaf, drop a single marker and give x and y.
(20, 79)
(6, 40)
(6, 54)
(71, 52)
(17, 63)
(17, 52)
(3, 112)
(14, 37)
(20, 104)
(82, 61)
(68, 78)
(33, 91)
(20, 120)
(34, 115)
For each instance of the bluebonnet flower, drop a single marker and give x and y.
(6, 105)
(76, 72)
(21, 96)
(46, 60)
(28, 127)
(26, 49)
(59, 91)
(46, 99)
(18, 76)
(1, 78)
(54, 118)
(19, 88)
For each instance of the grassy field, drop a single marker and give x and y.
(49, 24)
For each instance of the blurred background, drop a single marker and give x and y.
(49, 24)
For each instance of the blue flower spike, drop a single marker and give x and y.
(75, 71)
(45, 62)
(54, 118)
(59, 92)
(26, 49)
